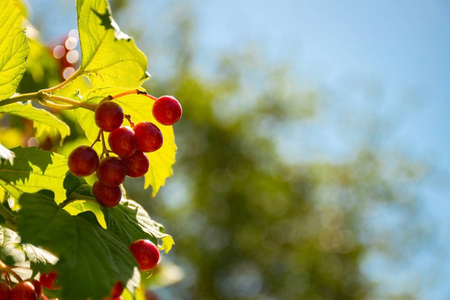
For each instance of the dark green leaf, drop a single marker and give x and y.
(91, 260)
(77, 187)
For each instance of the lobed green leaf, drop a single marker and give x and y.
(14, 48)
(91, 259)
(109, 56)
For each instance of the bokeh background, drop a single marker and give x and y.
(313, 158)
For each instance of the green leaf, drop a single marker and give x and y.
(34, 169)
(91, 260)
(43, 121)
(14, 48)
(130, 222)
(140, 109)
(109, 56)
(5, 153)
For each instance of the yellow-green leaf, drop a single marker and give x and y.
(13, 48)
(91, 259)
(34, 169)
(109, 56)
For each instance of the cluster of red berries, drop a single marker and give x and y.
(32, 289)
(146, 253)
(129, 144)
(28, 289)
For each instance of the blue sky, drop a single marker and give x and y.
(400, 49)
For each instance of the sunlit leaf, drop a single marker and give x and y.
(43, 121)
(140, 109)
(86, 251)
(109, 56)
(13, 48)
(34, 169)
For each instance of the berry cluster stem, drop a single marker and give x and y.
(97, 138)
(101, 137)
(105, 149)
(134, 92)
(128, 117)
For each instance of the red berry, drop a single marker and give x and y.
(122, 141)
(108, 115)
(167, 110)
(5, 291)
(117, 290)
(37, 287)
(24, 290)
(148, 137)
(108, 196)
(111, 171)
(49, 280)
(83, 161)
(146, 254)
(136, 165)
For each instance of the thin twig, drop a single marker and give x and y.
(64, 83)
(98, 138)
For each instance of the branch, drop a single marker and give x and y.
(45, 97)
(55, 98)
